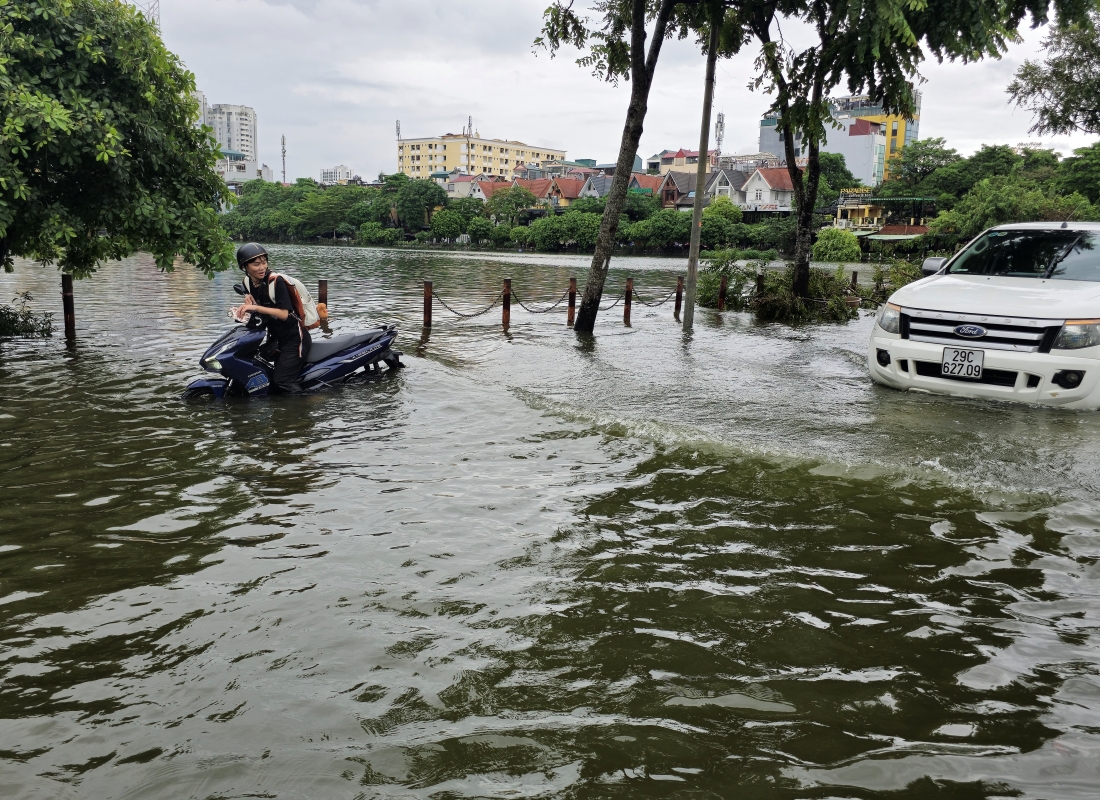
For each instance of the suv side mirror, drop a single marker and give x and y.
(932, 265)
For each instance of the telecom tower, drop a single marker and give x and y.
(150, 8)
(719, 135)
(284, 158)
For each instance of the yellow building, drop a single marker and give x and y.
(419, 158)
(897, 130)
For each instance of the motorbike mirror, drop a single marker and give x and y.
(239, 289)
(932, 265)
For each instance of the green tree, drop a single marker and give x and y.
(667, 228)
(520, 234)
(995, 201)
(616, 48)
(867, 45)
(640, 205)
(721, 206)
(580, 229)
(589, 205)
(374, 233)
(920, 159)
(467, 208)
(1061, 90)
(1081, 172)
(836, 245)
(99, 155)
(479, 229)
(546, 233)
(447, 224)
(416, 199)
(834, 170)
(717, 232)
(506, 204)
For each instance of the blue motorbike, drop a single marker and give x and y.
(245, 365)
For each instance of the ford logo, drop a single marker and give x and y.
(970, 331)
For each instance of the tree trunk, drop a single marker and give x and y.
(700, 181)
(641, 78)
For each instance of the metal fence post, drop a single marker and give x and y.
(427, 304)
(506, 306)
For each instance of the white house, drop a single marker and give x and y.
(768, 189)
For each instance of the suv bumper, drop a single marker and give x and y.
(1043, 366)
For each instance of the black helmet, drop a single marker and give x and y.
(247, 252)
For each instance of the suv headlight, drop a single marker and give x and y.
(889, 319)
(1078, 333)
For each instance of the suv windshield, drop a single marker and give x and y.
(1062, 254)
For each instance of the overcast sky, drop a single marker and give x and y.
(335, 75)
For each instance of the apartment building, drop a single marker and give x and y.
(235, 128)
(339, 174)
(469, 154)
(871, 138)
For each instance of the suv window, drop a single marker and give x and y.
(1060, 254)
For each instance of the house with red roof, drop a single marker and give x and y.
(650, 184)
(539, 187)
(484, 189)
(769, 189)
(564, 191)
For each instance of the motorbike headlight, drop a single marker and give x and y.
(889, 319)
(213, 365)
(1078, 333)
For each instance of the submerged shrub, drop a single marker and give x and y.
(20, 321)
(827, 301)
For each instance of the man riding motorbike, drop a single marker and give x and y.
(283, 323)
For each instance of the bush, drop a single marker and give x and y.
(20, 321)
(890, 277)
(501, 234)
(374, 233)
(422, 236)
(826, 303)
(723, 208)
(724, 264)
(520, 234)
(837, 245)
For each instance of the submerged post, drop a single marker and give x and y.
(759, 283)
(572, 314)
(722, 295)
(626, 300)
(679, 296)
(427, 304)
(506, 305)
(67, 305)
(855, 279)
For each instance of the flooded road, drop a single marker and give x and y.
(642, 565)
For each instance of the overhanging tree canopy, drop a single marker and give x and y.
(99, 155)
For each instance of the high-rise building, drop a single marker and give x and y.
(469, 154)
(200, 98)
(234, 128)
(869, 141)
(335, 175)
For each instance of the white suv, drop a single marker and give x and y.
(1015, 315)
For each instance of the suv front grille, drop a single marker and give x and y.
(1021, 334)
(992, 377)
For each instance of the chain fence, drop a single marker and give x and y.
(561, 300)
(635, 297)
(485, 310)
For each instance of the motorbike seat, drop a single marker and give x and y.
(321, 349)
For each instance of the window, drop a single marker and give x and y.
(759, 194)
(894, 128)
(893, 145)
(1059, 254)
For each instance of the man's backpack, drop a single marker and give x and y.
(303, 301)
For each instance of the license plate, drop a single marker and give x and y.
(960, 363)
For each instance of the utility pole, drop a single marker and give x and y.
(151, 10)
(469, 151)
(700, 182)
(400, 166)
(284, 158)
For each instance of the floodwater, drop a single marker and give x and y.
(531, 565)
